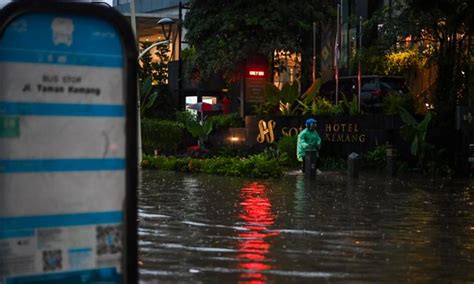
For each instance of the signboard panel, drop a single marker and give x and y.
(63, 141)
(254, 88)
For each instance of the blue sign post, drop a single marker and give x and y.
(67, 144)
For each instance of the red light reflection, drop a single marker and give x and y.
(253, 248)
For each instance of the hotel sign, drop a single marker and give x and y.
(330, 132)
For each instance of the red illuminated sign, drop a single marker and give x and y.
(256, 73)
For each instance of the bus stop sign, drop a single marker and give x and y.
(67, 144)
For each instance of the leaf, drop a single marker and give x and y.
(194, 128)
(303, 106)
(146, 87)
(150, 100)
(290, 93)
(272, 93)
(312, 91)
(207, 128)
(414, 146)
(314, 108)
(407, 117)
(408, 133)
(424, 124)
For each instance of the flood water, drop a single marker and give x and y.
(211, 229)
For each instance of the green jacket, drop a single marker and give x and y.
(307, 140)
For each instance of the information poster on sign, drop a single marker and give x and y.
(62, 150)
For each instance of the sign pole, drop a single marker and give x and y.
(133, 21)
(314, 51)
(359, 67)
(337, 50)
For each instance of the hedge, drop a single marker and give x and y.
(163, 135)
(255, 166)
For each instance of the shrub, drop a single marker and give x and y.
(376, 158)
(256, 166)
(393, 102)
(226, 120)
(163, 135)
(184, 117)
(287, 145)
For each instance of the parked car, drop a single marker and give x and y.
(374, 88)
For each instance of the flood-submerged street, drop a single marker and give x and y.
(199, 228)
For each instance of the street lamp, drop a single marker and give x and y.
(166, 25)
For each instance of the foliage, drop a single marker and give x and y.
(226, 120)
(164, 136)
(319, 106)
(283, 100)
(287, 145)
(225, 34)
(312, 92)
(415, 132)
(255, 166)
(184, 117)
(200, 131)
(390, 61)
(155, 98)
(157, 70)
(147, 95)
(350, 107)
(376, 158)
(263, 108)
(399, 61)
(393, 102)
(288, 96)
(445, 30)
(237, 150)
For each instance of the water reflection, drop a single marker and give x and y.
(253, 247)
(208, 229)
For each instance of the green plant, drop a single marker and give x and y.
(200, 131)
(287, 145)
(288, 96)
(376, 158)
(162, 135)
(321, 106)
(184, 117)
(155, 97)
(157, 70)
(226, 120)
(263, 108)
(350, 107)
(415, 132)
(237, 150)
(147, 95)
(256, 166)
(393, 102)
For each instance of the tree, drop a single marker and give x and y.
(156, 99)
(446, 27)
(226, 33)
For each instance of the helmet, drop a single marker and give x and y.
(310, 121)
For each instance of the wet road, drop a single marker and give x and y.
(208, 229)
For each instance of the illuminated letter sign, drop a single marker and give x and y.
(256, 73)
(266, 131)
(67, 144)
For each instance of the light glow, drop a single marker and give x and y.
(257, 73)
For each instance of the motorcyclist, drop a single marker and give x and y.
(308, 139)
